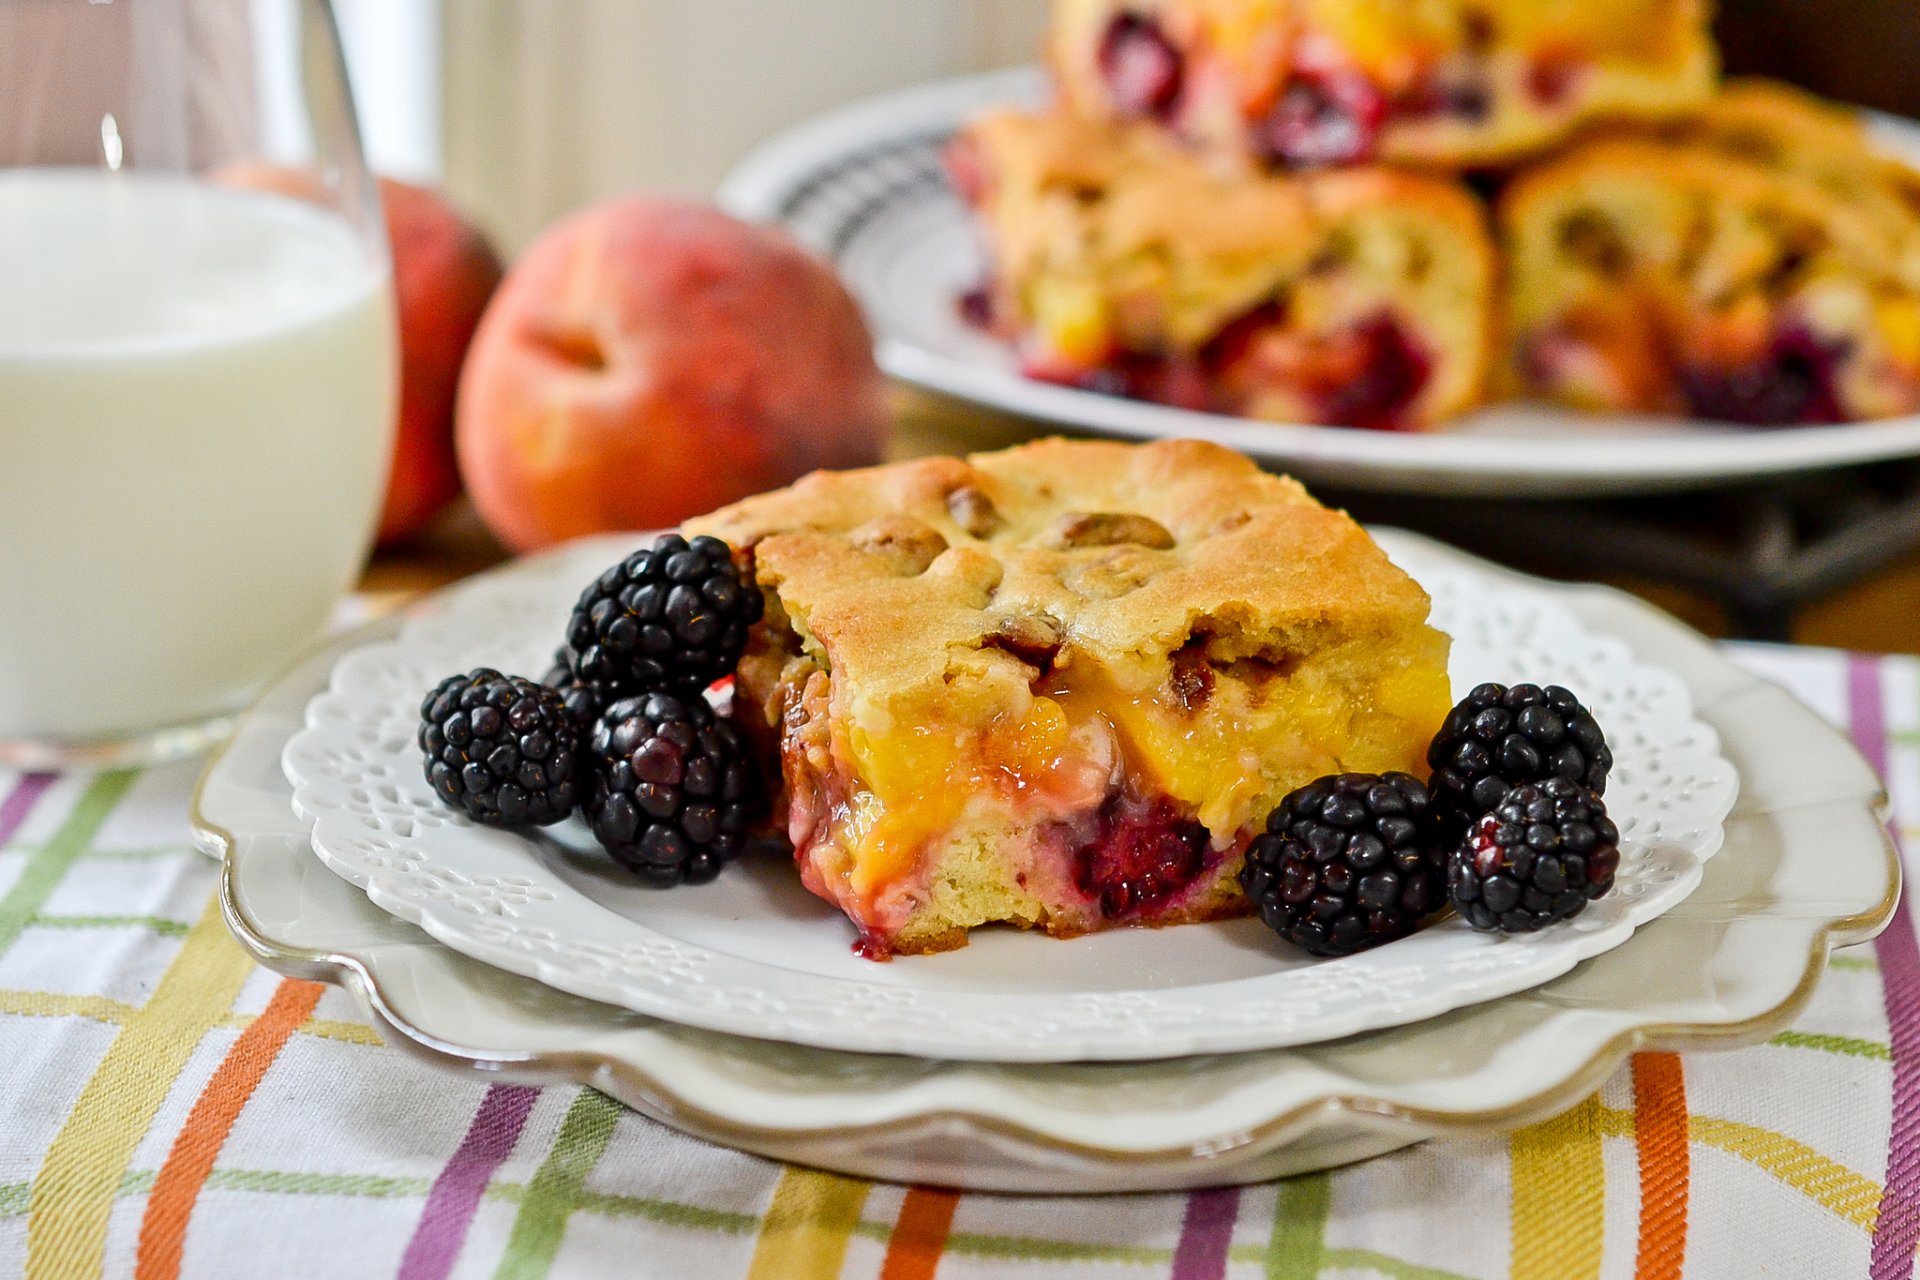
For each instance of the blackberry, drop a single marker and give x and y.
(1346, 863)
(584, 699)
(501, 749)
(672, 618)
(1500, 737)
(1542, 853)
(673, 788)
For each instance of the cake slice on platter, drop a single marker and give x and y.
(1123, 263)
(1758, 263)
(1434, 83)
(1061, 686)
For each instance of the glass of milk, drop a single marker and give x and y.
(198, 364)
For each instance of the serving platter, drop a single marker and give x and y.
(1806, 867)
(864, 186)
(754, 954)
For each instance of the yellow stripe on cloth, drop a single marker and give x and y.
(49, 1004)
(1559, 1196)
(805, 1234)
(1826, 1182)
(74, 1191)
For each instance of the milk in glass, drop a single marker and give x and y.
(196, 399)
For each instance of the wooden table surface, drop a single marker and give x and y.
(1878, 614)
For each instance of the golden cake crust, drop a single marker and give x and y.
(1246, 559)
(1110, 240)
(1164, 201)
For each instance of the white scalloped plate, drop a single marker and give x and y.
(1807, 867)
(754, 954)
(863, 184)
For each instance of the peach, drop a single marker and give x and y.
(443, 274)
(650, 359)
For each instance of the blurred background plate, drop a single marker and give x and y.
(864, 185)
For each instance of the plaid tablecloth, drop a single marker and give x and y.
(168, 1109)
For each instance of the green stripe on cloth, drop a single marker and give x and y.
(149, 854)
(1298, 1248)
(314, 1184)
(153, 924)
(46, 868)
(16, 1196)
(555, 1191)
(668, 1213)
(1848, 1045)
(1381, 1264)
(1862, 964)
(1035, 1249)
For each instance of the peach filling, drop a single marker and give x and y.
(1127, 793)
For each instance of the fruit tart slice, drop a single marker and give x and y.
(1309, 83)
(1121, 262)
(1759, 264)
(1061, 686)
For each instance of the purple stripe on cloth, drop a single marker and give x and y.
(1206, 1233)
(455, 1196)
(19, 802)
(1896, 1230)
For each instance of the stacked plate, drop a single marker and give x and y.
(1133, 1060)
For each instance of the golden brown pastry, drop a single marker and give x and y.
(1357, 297)
(1061, 685)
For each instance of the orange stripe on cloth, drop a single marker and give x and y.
(163, 1230)
(1559, 1196)
(808, 1225)
(1666, 1164)
(920, 1235)
(75, 1189)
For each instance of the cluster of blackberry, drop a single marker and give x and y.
(1511, 830)
(620, 726)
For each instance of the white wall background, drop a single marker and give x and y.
(393, 59)
(547, 104)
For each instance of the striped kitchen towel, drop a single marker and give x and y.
(170, 1110)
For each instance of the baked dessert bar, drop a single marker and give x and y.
(1061, 686)
(1759, 263)
(1306, 83)
(1123, 263)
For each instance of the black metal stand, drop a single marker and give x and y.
(1761, 551)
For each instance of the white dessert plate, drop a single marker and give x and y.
(864, 186)
(1807, 867)
(754, 954)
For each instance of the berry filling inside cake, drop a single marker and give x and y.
(1312, 83)
(1123, 264)
(1061, 687)
(1758, 265)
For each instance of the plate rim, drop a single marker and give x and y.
(634, 1083)
(642, 990)
(760, 186)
